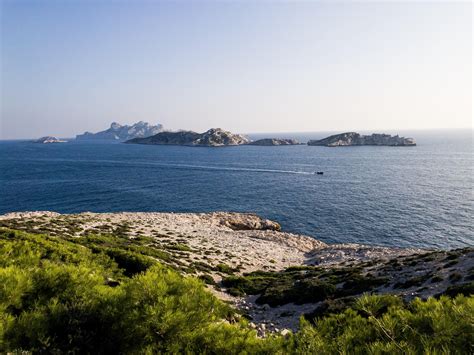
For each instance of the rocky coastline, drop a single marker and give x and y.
(250, 262)
(274, 141)
(214, 137)
(49, 139)
(217, 137)
(356, 139)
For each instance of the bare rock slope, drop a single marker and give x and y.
(274, 141)
(49, 139)
(214, 137)
(120, 132)
(353, 138)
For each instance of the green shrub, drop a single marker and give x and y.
(414, 281)
(455, 276)
(56, 296)
(383, 325)
(302, 291)
(301, 284)
(132, 263)
(466, 289)
(330, 306)
(179, 247)
(207, 279)
(224, 268)
(358, 284)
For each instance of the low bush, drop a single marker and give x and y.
(384, 325)
(466, 289)
(207, 279)
(412, 282)
(300, 292)
(226, 269)
(307, 284)
(59, 296)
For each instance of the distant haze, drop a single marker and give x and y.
(72, 66)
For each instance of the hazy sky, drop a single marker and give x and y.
(71, 66)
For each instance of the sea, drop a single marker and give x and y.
(419, 196)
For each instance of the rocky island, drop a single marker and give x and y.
(49, 139)
(274, 141)
(123, 132)
(214, 137)
(356, 139)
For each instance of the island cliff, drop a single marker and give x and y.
(49, 139)
(274, 141)
(215, 137)
(123, 133)
(353, 138)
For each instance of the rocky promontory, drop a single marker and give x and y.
(49, 139)
(271, 276)
(214, 137)
(353, 138)
(274, 141)
(123, 132)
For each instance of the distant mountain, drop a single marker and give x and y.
(215, 137)
(122, 133)
(49, 139)
(353, 138)
(274, 141)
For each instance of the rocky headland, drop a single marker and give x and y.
(274, 141)
(214, 137)
(272, 277)
(356, 139)
(49, 139)
(123, 132)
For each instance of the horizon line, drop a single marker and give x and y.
(281, 132)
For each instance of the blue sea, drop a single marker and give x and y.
(393, 196)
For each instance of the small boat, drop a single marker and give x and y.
(319, 172)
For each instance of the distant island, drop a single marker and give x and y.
(144, 133)
(214, 137)
(49, 139)
(274, 141)
(123, 132)
(353, 138)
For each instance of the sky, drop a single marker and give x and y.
(247, 66)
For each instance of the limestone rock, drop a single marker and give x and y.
(215, 137)
(248, 221)
(122, 133)
(49, 139)
(353, 138)
(274, 141)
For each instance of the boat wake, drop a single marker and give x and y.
(186, 166)
(226, 168)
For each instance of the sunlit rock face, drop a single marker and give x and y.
(353, 138)
(49, 139)
(215, 137)
(274, 141)
(122, 133)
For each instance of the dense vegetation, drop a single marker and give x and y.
(111, 294)
(302, 284)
